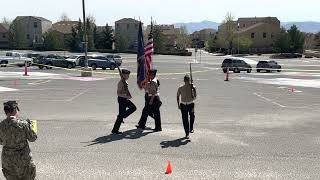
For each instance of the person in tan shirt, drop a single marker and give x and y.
(153, 102)
(185, 98)
(126, 107)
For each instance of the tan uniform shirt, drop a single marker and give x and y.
(185, 92)
(152, 88)
(121, 91)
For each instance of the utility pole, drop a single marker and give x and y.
(238, 37)
(85, 34)
(86, 71)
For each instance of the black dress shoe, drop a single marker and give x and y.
(139, 127)
(117, 132)
(192, 131)
(157, 130)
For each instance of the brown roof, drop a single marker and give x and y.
(4, 28)
(64, 27)
(127, 20)
(36, 17)
(258, 19)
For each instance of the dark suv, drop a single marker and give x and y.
(235, 65)
(268, 66)
(101, 62)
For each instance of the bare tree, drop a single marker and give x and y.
(91, 19)
(64, 17)
(6, 21)
(183, 40)
(309, 41)
(227, 31)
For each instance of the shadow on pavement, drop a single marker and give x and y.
(175, 143)
(130, 134)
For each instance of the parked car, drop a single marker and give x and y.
(235, 65)
(101, 62)
(116, 58)
(55, 60)
(16, 58)
(77, 59)
(268, 66)
(35, 57)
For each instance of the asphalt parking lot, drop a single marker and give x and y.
(255, 126)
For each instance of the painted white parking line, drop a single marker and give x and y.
(5, 89)
(78, 95)
(39, 82)
(269, 100)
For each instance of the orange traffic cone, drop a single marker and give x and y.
(26, 69)
(169, 168)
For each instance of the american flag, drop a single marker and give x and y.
(148, 50)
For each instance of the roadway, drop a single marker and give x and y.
(255, 126)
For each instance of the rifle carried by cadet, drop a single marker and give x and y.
(191, 82)
(124, 82)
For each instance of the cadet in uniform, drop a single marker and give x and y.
(126, 107)
(17, 163)
(188, 94)
(153, 103)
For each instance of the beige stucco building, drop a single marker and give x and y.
(199, 38)
(33, 28)
(63, 30)
(128, 29)
(169, 32)
(4, 36)
(261, 31)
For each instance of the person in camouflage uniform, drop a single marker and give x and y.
(16, 158)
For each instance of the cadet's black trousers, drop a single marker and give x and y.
(153, 111)
(187, 110)
(126, 107)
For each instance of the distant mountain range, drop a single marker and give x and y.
(196, 26)
(306, 26)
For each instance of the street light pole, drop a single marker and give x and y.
(238, 38)
(85, 35)
(86, 71)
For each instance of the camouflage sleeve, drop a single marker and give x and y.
(31, 135)
(1, 135)
(1, 141)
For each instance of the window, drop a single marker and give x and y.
(35, 24)
(28, 36)
(252, 35)
(264, 35)
(272, 36)
(36, 39)
(128, 26)
(136, 26)
(244, 25)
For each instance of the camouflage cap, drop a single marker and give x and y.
(11, 104)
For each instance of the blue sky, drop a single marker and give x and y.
(164, 11)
